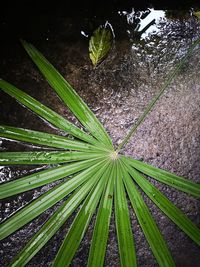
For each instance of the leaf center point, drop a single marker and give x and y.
(114, 155)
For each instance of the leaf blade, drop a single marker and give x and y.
(41, 178)
(175, 214)
(42, 138)
(168, 178)
(44, 112)
(123, 224)
(100, 45)
(100, 234)
(45, 201)
(44, 157)
(148, 225)
(197, 14)
(68, 95)
(79, 226)
(52, 225)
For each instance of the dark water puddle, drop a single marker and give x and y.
(117, 91)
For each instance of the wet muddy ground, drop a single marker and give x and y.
(117, 91)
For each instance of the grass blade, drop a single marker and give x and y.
(123, 224)
(149, 227)
(80, 224)
(168, 178)
(53, 224)
(100, 235)
(43, 177)
(45, 112)
(44, 202)
(175, 214)
(44, 139)
(68, 95)
(43, 157)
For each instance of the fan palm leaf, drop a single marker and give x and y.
(94, 178)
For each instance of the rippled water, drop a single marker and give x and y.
(118, 91)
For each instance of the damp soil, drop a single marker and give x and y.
(117, 91)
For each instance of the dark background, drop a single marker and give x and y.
(30, 19)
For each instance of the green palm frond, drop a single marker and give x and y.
(99, 180)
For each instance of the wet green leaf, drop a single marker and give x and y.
(44, 157)
(43, 177)
(44, 202)
(44, 139)
(81, 222)
(175, 214)
(123, 224)
(100, 44)
(197, 14)
(69, 96)
(55, 222)
(148, 225)
(100, 235)
(94, 174)
(44, 112)
(168, 178)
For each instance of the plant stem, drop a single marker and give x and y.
(152, 103)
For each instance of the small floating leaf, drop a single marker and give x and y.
(197, 14)
(100, 44)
